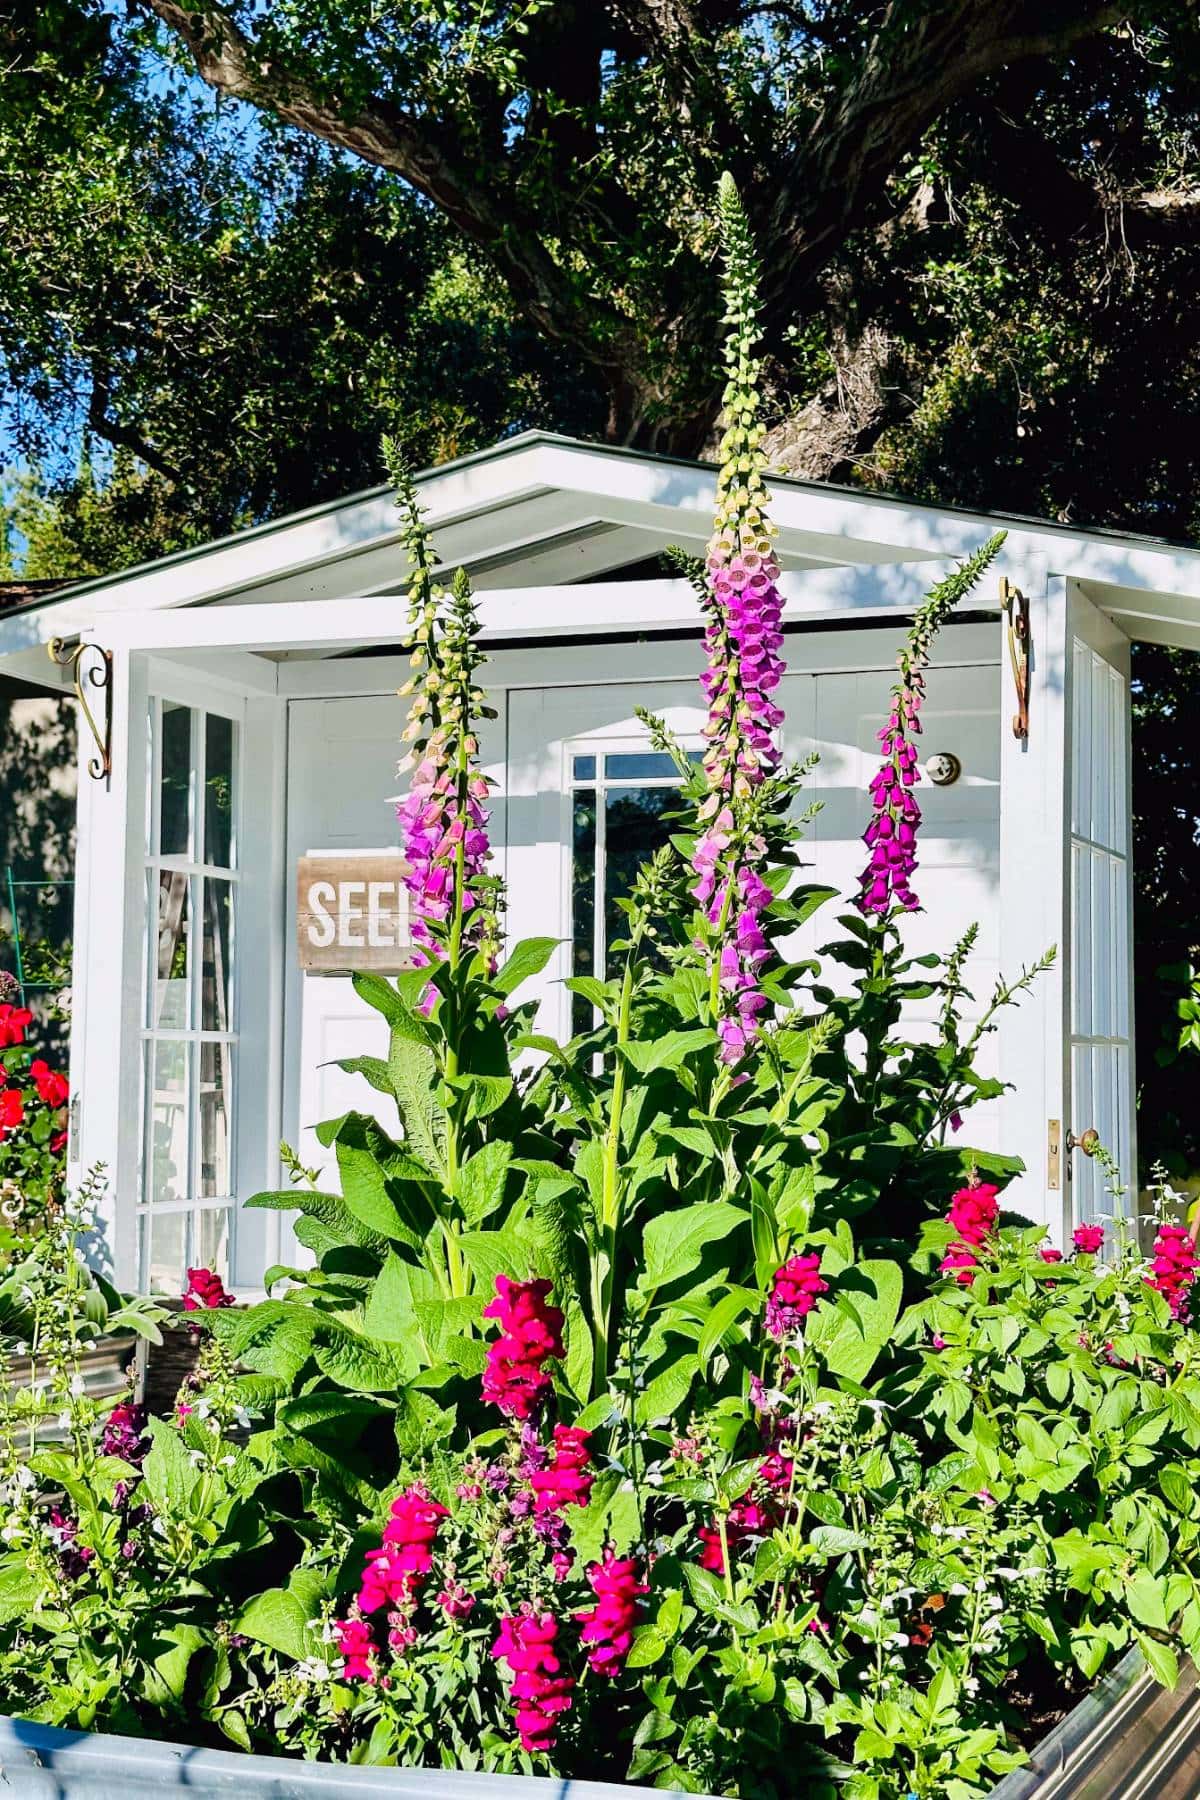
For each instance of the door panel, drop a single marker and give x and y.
(1099, 1005)
(342, 797)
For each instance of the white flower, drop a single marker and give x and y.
(653, 1478)
(897, 1641)
(227, 1462)
(24, 1476)
(76, 1385)
(957, 1589)
(971, 1686)
(63, 1421)
(1007, 1574)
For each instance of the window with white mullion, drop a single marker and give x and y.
(189, 1036)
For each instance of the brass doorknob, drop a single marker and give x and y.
(1088, 1141)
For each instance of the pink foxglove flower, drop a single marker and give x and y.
(743, 643)
(444, 817)
(891, 836)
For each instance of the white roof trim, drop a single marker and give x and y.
(536, 489)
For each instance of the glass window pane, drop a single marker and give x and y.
(216, 946)
(211, 1240)
(167, 1112)
(171, 900)
(584, 768)
(175, 781)
(216, 1085)
(218, 790)
(645, 765)
(583, 902)
(634, 827)
(166, 1252)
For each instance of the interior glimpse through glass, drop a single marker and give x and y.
(617, 826)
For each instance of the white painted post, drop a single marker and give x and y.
(1033, 898)
(109, 930)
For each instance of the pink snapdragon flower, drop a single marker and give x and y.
(567, 1480)
(205, 1290)
(540, 1689)
(608, 1627)
(393, 1573)
(1173, 1268)
(960, 1262)
(124, 1433)
(795, 1289)
(1049, 1254)
(974, 1211)
(530, 1334)
(357, 1647)
(1088, 1238)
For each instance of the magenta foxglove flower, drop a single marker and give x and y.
(743, 641)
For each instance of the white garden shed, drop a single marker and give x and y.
(243, 698)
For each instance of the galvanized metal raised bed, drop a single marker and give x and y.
(1128, 1740)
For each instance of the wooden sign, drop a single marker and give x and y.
(352, 913)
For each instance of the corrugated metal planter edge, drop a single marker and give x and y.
(1128, 1737)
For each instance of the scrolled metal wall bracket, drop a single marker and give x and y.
(1020, 639)
(97, 675)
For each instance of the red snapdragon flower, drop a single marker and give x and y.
(795, 1290)
(530, 1333)
(12, 1111)
(608, 1626)
(14, 1021)
(1088, 1238)
(204, 1291)
(540, 1690)
(53, 1088)
(1174, 1267)
(1049, 1255)
(745, 1519)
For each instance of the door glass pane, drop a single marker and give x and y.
(643, 765)
(166, 1251)
(215, 1086)
(216, 971)
(583, 902)
(171, 898)
(211, 1240)
(168, 1117)
(218, 790)
(175, 781)
(634, 827)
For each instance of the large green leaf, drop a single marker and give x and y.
(414, 1078)
(673, 1244)
(168, 1473)
(528, 958)
(356, 1363)
(280, 1619)
(481, 1182)
(851, 1340)
(669, 1051)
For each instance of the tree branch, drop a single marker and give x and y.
(122, 436)
(915, 66)
(424, 153)
(1065, 206)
